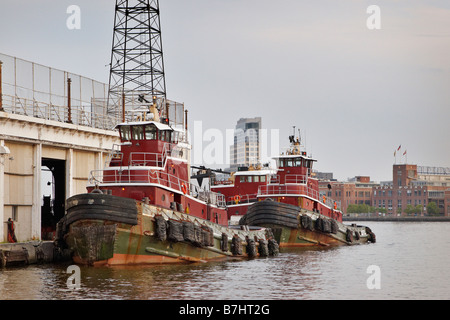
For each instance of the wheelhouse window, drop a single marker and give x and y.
(258, 179)
(293, 162)
(165, 136)
(125, 133)
(175, 137)
(168, 136)
(150, 132)
(138, 133)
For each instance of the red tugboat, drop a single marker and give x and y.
(142, 209)
(241, 190)
(289, 202)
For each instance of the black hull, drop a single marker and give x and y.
(101, 229)
(97, 206)
(294, 226)
(271, 212)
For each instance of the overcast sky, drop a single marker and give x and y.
(356, 94)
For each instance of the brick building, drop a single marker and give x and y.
(357, 190)
(447, 202)
(414, 186)
(411, 186)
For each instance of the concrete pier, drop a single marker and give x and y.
(30, 145)
(54, 129)
(25, 253)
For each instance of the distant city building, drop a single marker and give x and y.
(357, 190)
(414, 186)
(411, 190)
(246, 150)
(327, 176)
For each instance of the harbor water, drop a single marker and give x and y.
(409, 261)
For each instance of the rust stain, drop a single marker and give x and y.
(124, 259)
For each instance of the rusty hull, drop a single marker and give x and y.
(100, 241)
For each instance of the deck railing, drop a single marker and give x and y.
(147, 159)
(154, 159)
(240, 199)
(133, 176)
(297, 190)
(296, 178)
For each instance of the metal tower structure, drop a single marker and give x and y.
(137, 65)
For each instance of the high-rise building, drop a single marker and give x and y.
(246, 150)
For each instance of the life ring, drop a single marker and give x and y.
(237, 198)
(184, 188)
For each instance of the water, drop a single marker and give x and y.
(413, 259)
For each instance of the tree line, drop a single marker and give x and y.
(432, 209)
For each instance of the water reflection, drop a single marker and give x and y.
(412, 258)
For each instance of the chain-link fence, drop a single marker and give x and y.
(38, 91)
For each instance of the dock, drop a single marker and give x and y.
(26, 253)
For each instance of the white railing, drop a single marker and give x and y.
(154, 159)
(212, 198)
(297, 190)
(290, 189)
(115, 156)
(78, 115)
(242, 199)
(145, 176)
(129, 176)
(147, 159)
(296, 178)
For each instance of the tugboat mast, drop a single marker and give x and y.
(137, 64)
